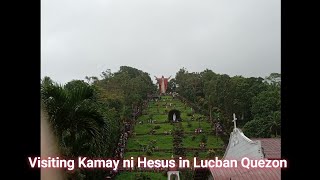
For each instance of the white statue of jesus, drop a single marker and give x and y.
(174, 117)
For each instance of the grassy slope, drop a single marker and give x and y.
(131, 176)
(165, 141)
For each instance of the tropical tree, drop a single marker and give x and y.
(252, 98)
(73, 114)
(274, 120)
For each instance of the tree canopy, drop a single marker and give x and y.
(255, 100)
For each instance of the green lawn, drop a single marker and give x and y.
(143, 128)
(143, 118)
(206, 127)
(154, 110)
(202, 155)
(128, 155)
(158, 117)
(161, 117)
(184, 114)
(155, 155)
(162, 141)
(163, 155)
(146, 128)
(212, 141)
(132, 175)
(164, 127)
(157, 109)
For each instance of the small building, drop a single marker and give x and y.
(240, 146)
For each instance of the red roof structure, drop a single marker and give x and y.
(241, 173)
(241, 146)
(271, 147)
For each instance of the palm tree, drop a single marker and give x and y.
(74, 116)
(275, 122)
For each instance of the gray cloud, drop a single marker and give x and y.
(85, 37)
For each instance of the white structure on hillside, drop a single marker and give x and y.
(173, 175)
(241, 146)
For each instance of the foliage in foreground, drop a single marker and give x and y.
(87, 117)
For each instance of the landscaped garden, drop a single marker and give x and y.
(157, 136)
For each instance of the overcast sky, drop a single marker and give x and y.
(85, 37)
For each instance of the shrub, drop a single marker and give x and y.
(211, 153)
(187, 174)
(189, 124)
(149, 152)
(196, 154)
(204, 139)
(142, 176)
